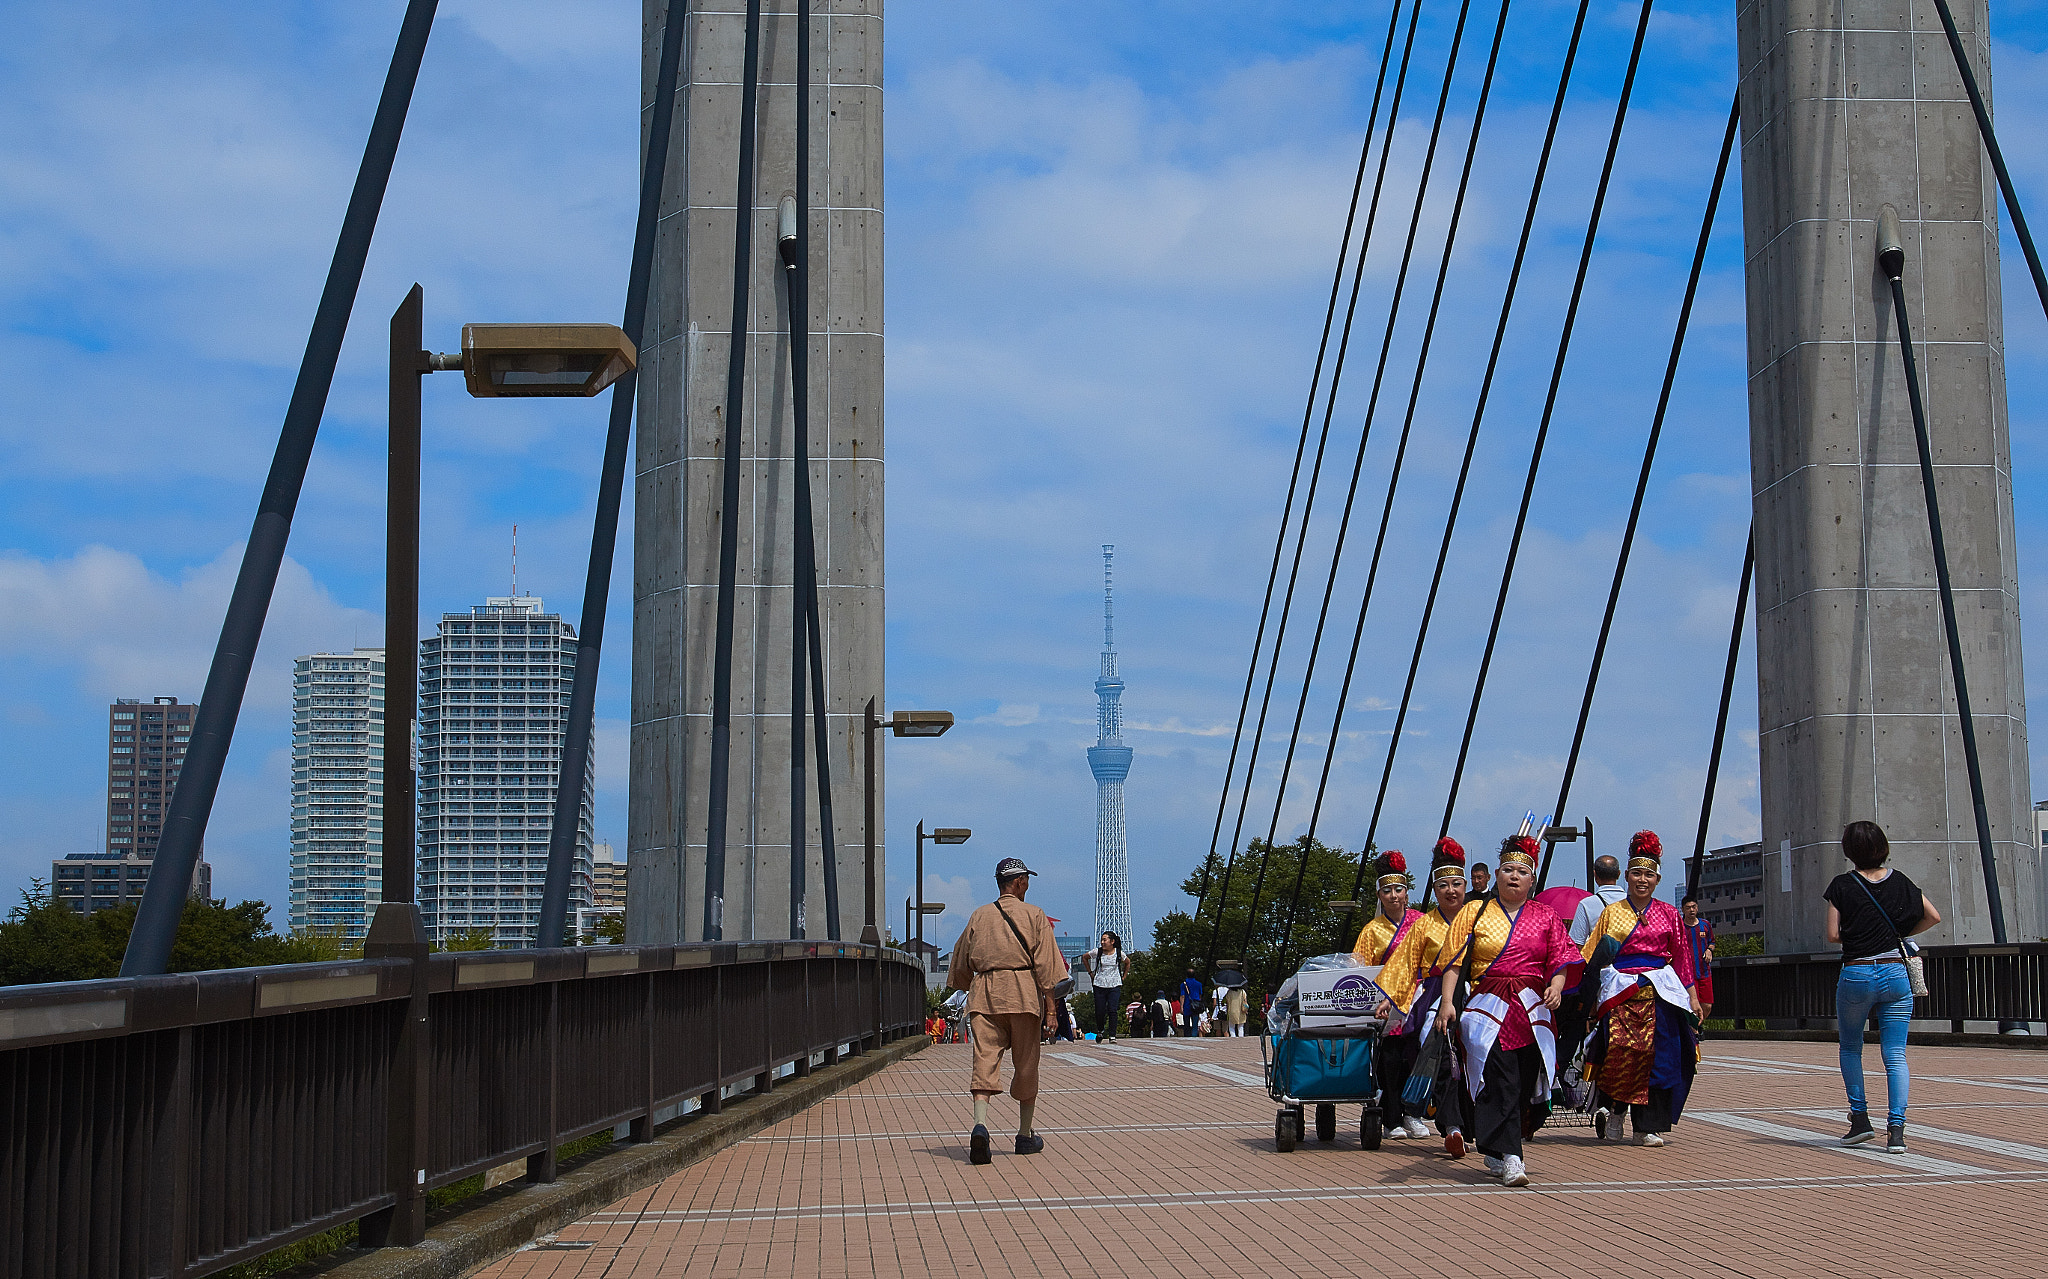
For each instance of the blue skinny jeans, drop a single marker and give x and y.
(1879, 993)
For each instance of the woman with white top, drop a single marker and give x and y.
(1106, 966)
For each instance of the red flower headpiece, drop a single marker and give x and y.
(1521, 848)
(1449, 852)
(1645, 844)
(1393, 866)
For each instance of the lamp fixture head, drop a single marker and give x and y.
(920, 723)
(501, 361)
(951, 835)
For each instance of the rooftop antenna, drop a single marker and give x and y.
(515, 561)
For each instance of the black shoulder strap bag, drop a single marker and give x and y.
(1916, 970)
(1065, 986)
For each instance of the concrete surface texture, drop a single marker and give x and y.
(1849, 105)
(680, 457)
(1159, 1160)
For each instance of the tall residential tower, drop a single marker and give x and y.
(1110, 760)
(337, 856)
(494, 705)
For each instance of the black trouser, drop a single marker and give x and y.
(1508, 1086)
(1393, 1061)
(1106, 1010)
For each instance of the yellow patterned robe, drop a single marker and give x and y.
(1377, 937)
(1414, 961)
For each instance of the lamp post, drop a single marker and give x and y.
(498, 361)
(940, 835)
(902, 724)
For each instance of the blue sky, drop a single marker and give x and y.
(1111, 229)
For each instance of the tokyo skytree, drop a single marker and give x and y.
(1110, 760)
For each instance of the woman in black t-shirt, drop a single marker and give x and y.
(1870, 910)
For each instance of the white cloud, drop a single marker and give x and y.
(117, 629)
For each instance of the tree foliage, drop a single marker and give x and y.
(1180, 941)
(44, 940)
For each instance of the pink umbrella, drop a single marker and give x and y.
(1564, 899)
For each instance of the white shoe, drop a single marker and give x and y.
(1649, 1139)
(1512, 1172)
(1495, 1165)
(1413, 1127)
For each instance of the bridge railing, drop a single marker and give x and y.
(1965, 983)
(173, 1126)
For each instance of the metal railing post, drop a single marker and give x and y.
(540, 1168)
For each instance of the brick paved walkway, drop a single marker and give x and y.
(1159, 1160)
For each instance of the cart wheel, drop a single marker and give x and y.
(1326, 1122)
(1371, 1128)
(1283, 1131)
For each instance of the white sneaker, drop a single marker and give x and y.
(1413, 1127)
(1512, 1172)
(1494, 1165)
(1649, 1139)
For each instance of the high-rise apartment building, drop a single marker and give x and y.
(494, 706)
(607, 879)
(337, 851)
(146, 745)
(88, 882)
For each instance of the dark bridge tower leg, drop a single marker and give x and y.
(1849, 105)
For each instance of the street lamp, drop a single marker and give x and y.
(902, 724)
(941, 835)
(498, 361)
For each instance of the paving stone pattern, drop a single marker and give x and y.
(1159, 1160)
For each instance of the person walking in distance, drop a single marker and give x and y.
(1008, 962)
(1482, 883)
(1106, 966)
(1234, 1010)
(1871, 912)
(1190, 1004)
(1607, 890)
(1701, 931)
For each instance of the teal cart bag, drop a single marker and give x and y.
(1313, 1069)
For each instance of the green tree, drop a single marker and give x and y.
(470, 939)
(44, 940)
(609, 930)
(1180, 942)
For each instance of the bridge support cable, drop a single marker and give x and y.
(227, 678)
(719, 798)
(1891, 258)
(1379, 378)
(1635, 510)
(1699, 843)
(1394, 479)
(1315, 471)
(807, 659)
(2012, 199)
(1564, 342)
(604, 536)
(1500, 329)
(1300, 450)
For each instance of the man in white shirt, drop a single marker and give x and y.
(1607, 890)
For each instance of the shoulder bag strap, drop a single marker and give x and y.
(1030, 952)
(1883, 914)
(1463, 991)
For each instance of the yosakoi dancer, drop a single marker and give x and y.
(1644, 1050)
(1520, 956)
(1384, 934)
(1412, 980)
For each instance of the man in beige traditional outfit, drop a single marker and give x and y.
(1009, 963)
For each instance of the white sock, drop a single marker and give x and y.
(980, 1112)
(1024, 1109)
